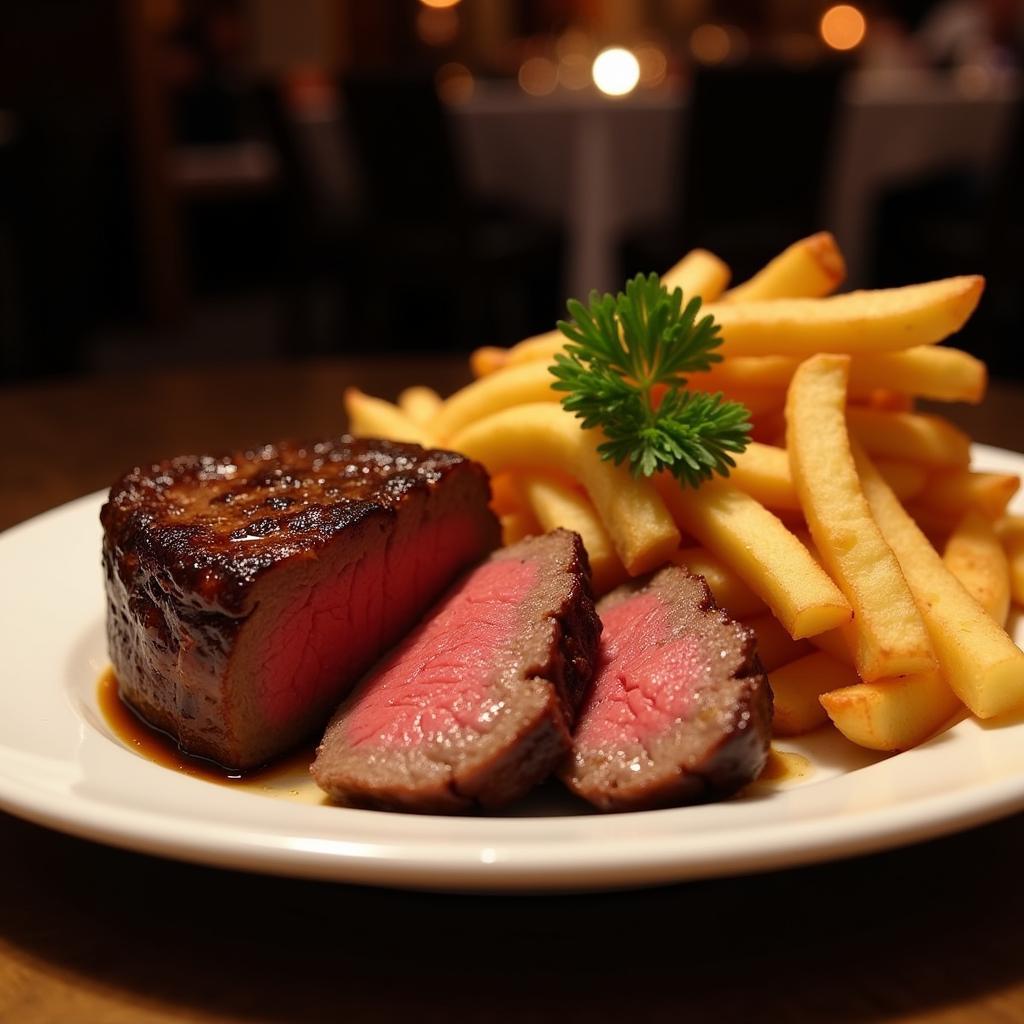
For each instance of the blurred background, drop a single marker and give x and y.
(214, 181)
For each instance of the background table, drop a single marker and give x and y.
(607, 167)
(89, 934)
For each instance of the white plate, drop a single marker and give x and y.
(61, 765)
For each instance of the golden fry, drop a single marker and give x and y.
(514, 385)
(542, 437)
(811, 268)
(951, 494)
(487, 359)
(1011, 532)
(889, 637)
(796, 688)
(420, 404)
(857, 322)
(775, 647)
(730, 592)
(555, 504)
(892, 714)
(699, 272)
(517, 525)
(928, 371)
(761, 551)
(975, 556)
(763, 472)
(373, 417)
(984, 667)
(914, 437)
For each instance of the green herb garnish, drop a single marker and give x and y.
(624, 371)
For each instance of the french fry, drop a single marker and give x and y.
(761, 551)
(857, 322)
(892, 714)
(796, 688)
(915, 437)
(487, 359)
(928, 371)
(1011, 532)
(907, 479)
(886, 401)
(889, 636)
(542, 437)
(540, 346)
(517, 525)
(420, 404)
(835, 642)
(775, 647)
(982, 665)
(554, 505)
(763, 472)
(730, 592)
(513, 385)
(373, 417)
(699, 272)
(507, 493)
(810, 268)
(951, 494)
(975, 556)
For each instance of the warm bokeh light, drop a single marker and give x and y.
(454, 83)
(439, 3)
(842, 27)
(538, 76)
(574, 71)
(616, 71)
(710, 44)
(653, 65)
(437, 27)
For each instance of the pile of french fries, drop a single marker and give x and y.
(875, 566)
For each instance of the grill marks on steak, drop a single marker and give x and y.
(247, 592)
(475, 706)
(680, 710)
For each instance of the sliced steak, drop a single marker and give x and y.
(476, 705)
(680, 709)
(247, 592)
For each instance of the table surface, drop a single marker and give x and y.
(930, 933)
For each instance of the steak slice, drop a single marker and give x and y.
(680, 710)
(476, 705)
(247, 592)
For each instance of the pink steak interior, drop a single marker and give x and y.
(338, 627)
(437, 680)
(645, 681)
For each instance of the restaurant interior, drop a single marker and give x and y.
(192, 182)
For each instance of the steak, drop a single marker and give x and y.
(247, 592)
(475, 707)
(680, 710)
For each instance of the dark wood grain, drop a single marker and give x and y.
(930, 933)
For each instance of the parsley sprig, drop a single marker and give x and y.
(624, 370)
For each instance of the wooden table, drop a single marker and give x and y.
(94, 935)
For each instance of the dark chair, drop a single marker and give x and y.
(754, 145)
(319, 244)
(442, 270)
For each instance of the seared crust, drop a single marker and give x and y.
(189, 542)
(208, 526)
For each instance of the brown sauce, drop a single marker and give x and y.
(784, 766)
(161, 748)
